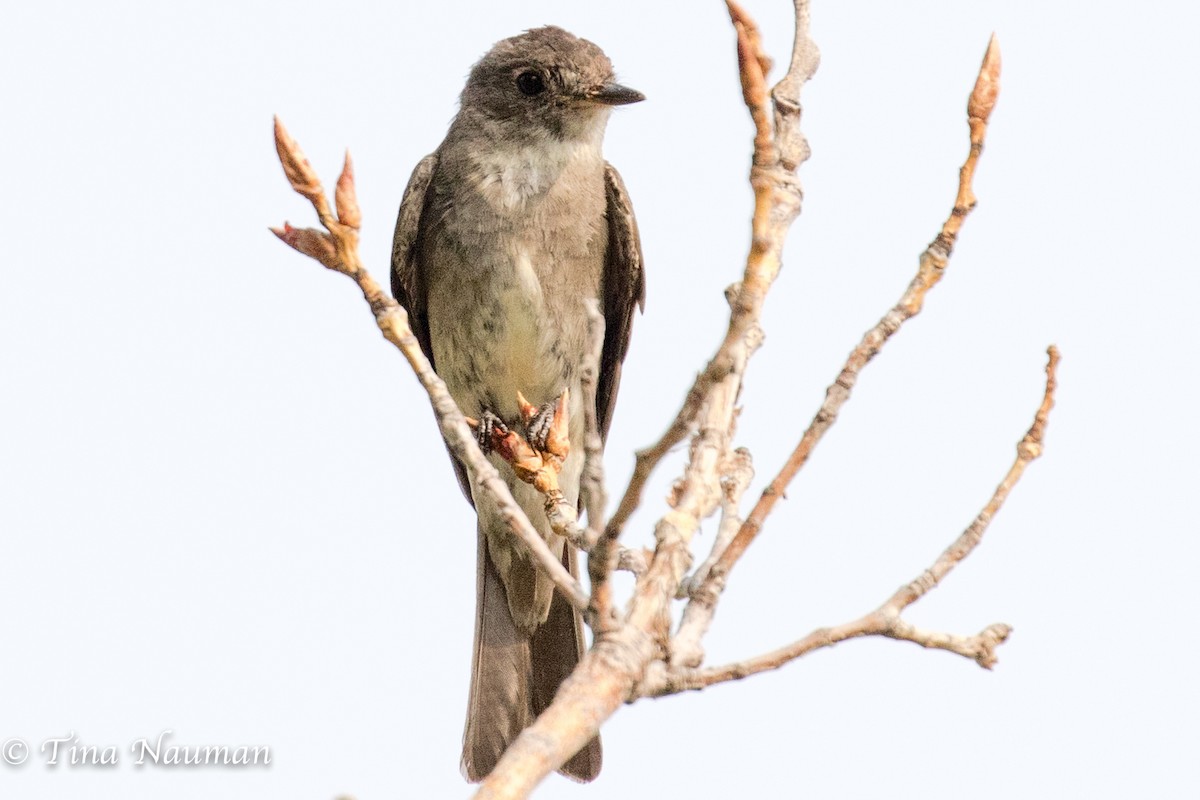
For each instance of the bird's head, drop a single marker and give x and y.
(546, 82)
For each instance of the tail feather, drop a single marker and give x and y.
(499, 704)
(557, 647)
(514, 676)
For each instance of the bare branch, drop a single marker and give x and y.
(785, 97)
(931, 266)
(634, 655)
(886, 620)
(591, 483)
(604, 555)
(686, 650)
(635, 561)
(736, 476)
(338, 250)
(777, 202)
(753, 66)
(600, 684)
(606, 676)
(1028, 449)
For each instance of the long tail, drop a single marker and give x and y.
(514, 676)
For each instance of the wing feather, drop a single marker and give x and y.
(623, 287)
(409, 286)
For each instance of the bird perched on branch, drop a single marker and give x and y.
(505, 232)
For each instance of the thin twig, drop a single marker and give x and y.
(337, 249)
(886, 620)
(778, 153)
(609, 671)
(591, 483)
(931, 267)
(603, 555)
(686, 650)
(777, 202)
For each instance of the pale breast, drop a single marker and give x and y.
(518, 251)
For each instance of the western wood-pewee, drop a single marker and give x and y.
(504, 233)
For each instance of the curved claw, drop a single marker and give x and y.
(558, 438)
(548, 427)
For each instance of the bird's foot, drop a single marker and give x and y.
(488, 430)
(547, 426)
(537, 458)
(537, 429)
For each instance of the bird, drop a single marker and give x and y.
(505, 233)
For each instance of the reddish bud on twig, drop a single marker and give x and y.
(749, 27)
(311, 242)
(987, 85)
(345, 198)
(300, 173)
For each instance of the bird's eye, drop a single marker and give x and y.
(530, 83)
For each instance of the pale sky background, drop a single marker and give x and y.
(225, 510)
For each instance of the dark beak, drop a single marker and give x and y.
(614, 94)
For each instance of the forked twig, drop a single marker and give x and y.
(931, 266)
(886, 620)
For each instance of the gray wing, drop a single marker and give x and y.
(408, 284)
(408, 273)
(623, 287)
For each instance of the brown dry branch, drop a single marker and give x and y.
(611, 670)
(778, 152)
(705, 590)
(634, 561)
(886, 620)
(736, 477)
(591, 484)
(603, 553)
(634, 654)
(337, 248)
